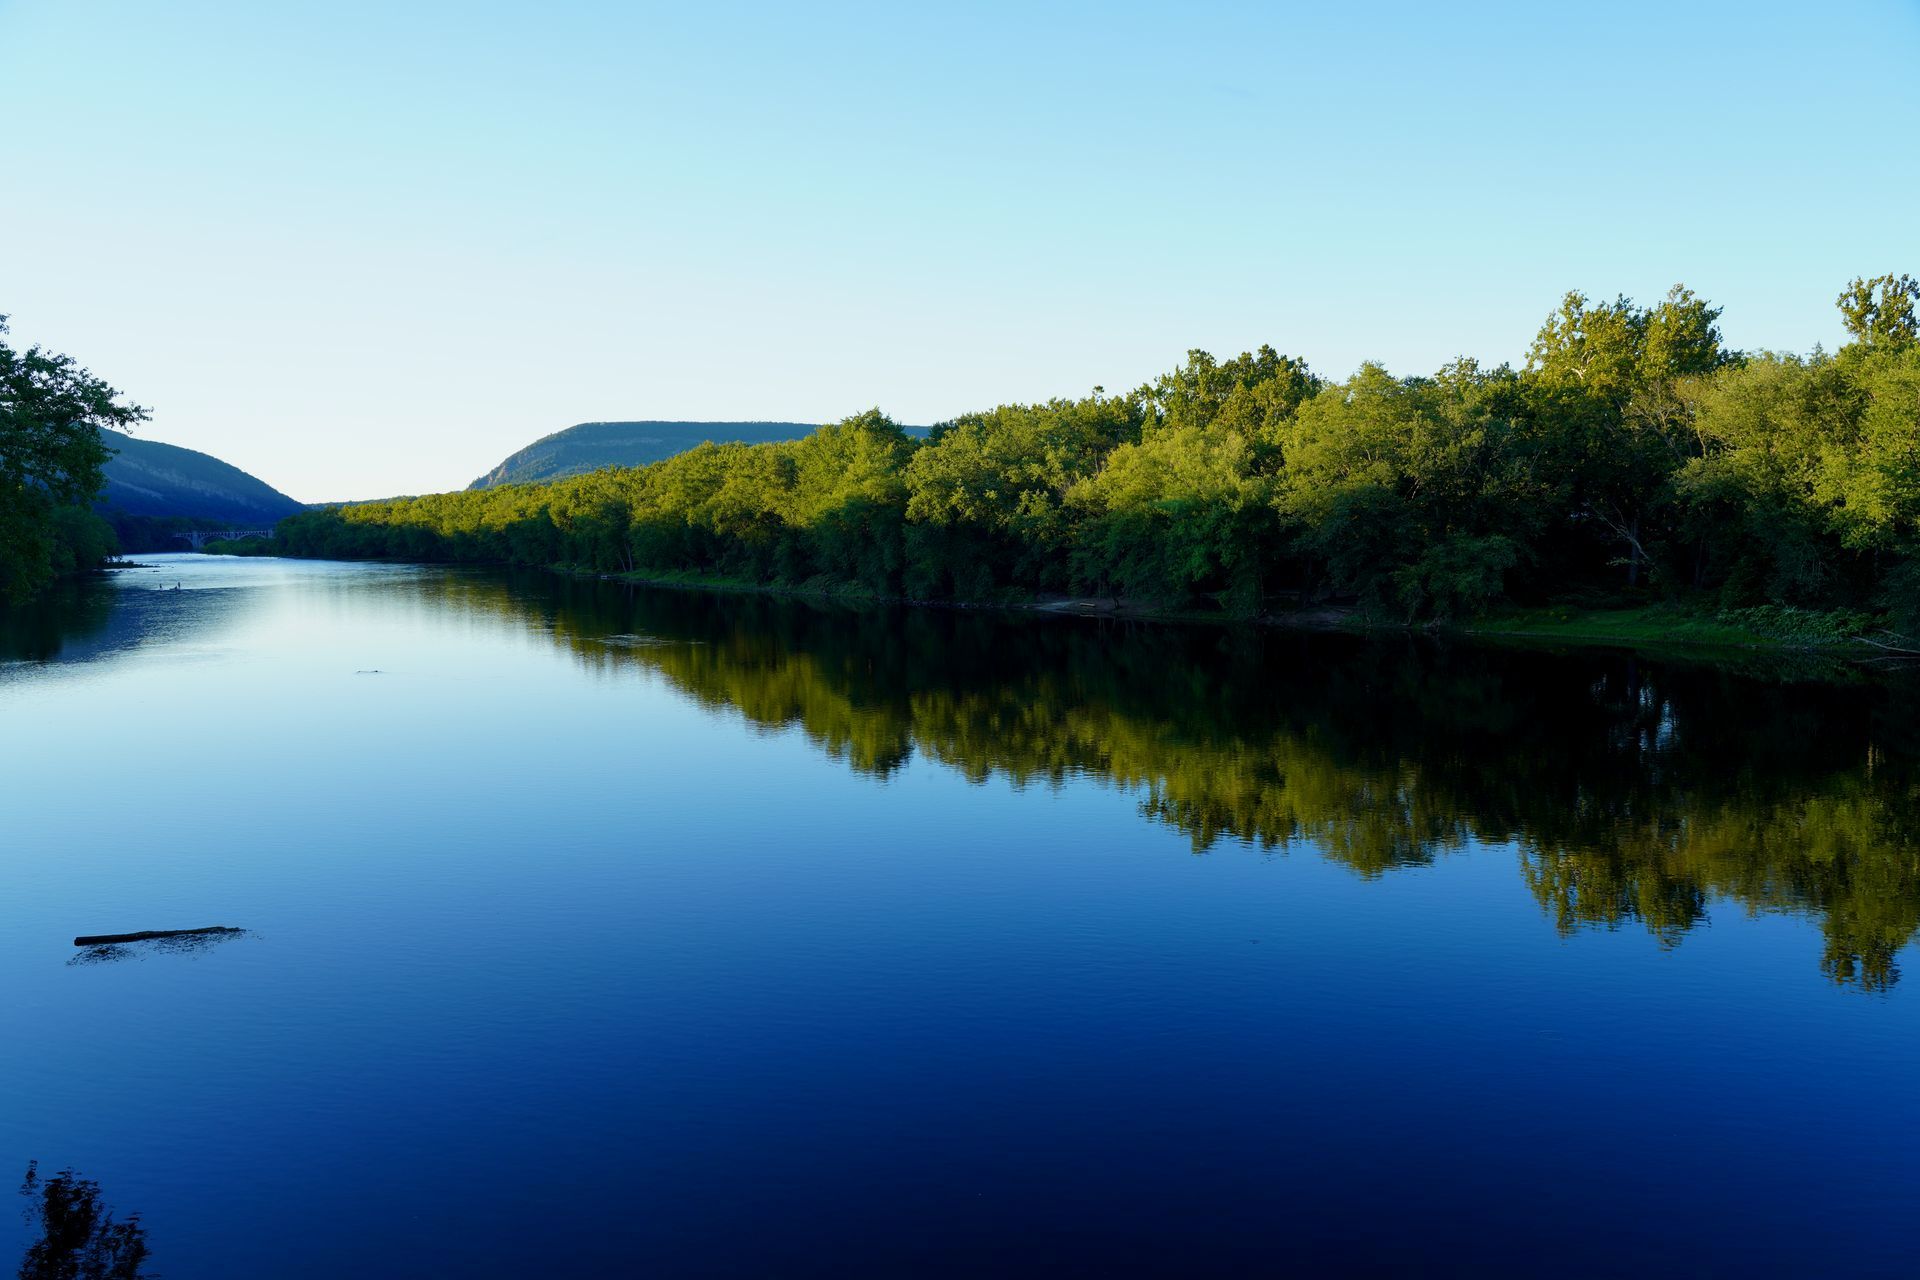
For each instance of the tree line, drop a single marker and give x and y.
(1632, 455)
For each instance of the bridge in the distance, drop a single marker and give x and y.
(201, 537)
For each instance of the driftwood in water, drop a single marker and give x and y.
(1892, 648)
(112, 939)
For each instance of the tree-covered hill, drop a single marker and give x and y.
(590, 446)
(148, 478)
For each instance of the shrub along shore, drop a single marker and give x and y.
(1632, 461)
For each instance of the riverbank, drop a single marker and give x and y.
(1651, 628)
(1680, 627)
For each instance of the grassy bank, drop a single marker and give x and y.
(1650, 627)
(1669, 625)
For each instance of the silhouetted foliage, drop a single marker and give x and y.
(51, 461)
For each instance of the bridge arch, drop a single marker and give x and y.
(199, 538)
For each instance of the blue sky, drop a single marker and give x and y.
(363, 249)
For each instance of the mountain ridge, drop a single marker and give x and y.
(589, 446)
(153, 479)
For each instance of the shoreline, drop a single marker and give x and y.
(1657, 629)
(1651, 629)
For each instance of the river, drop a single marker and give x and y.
(593, 930)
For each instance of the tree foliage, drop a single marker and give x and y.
(1880, 311)
(1633, 454)
(51, 456)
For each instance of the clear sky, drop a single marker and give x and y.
(363, 249)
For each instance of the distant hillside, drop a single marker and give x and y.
(592, 445)
(147, 478)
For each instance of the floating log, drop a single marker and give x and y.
(147, 935)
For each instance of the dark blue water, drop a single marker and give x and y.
(606, 932)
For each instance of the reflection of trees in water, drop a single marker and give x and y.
(79, 1238)
(1634, 792)
(65, 613)
(91, 618)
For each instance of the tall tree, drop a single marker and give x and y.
(1609, 375)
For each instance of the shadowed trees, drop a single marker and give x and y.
(51, 460)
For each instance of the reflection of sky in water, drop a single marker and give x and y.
(175, 601)
(600, 939)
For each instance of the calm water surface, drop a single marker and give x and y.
(603, 932)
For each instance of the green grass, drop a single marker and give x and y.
(1663, 625)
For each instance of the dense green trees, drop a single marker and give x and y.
(991, 498)
(1806, 487)
(51, 455)
(1632, 455)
